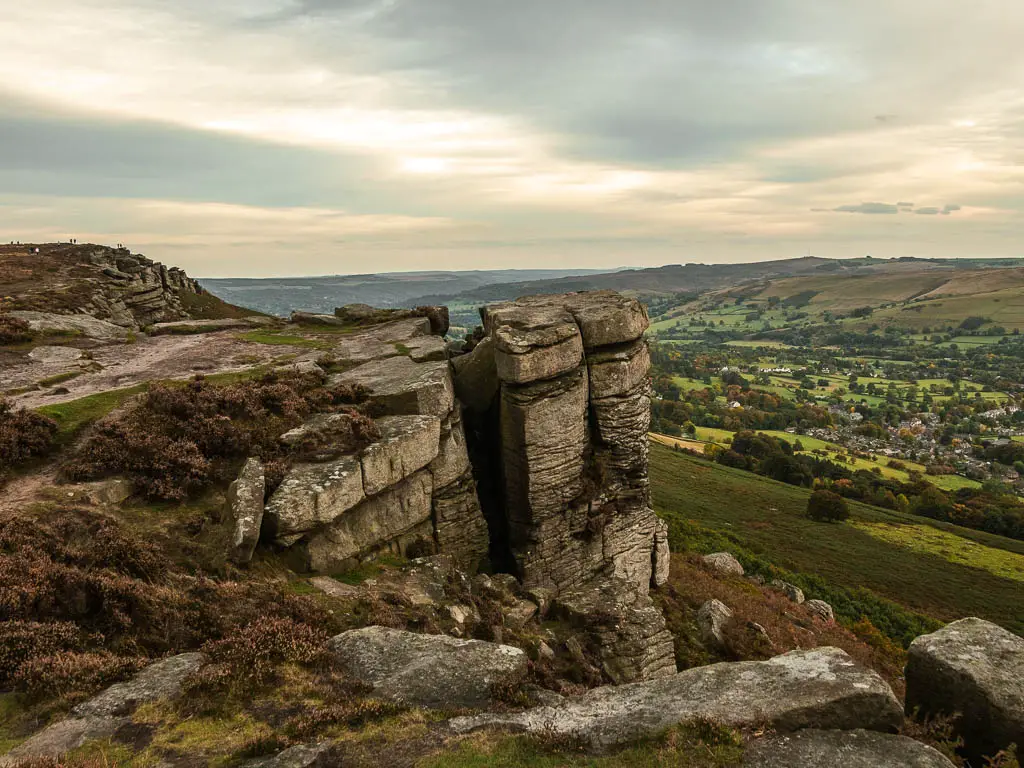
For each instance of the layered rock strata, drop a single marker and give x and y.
(557, 395)
(410, 491)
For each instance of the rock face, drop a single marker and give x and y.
(101, 716)
(428, 670)
(245, 500)
(975, 668)
(411, 489)
(557, 394)
(843, 749)
(820, 688)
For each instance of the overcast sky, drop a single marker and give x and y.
(273, 137)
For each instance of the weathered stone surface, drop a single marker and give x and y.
(313, 495)
(403, 387)
(626, 626)
(662, 554)
(197, 326)
(102, 715)
(820, 688)
(459, 524)
(321, 422)
(113, 491)
(618, 370)
(407, 444)
(607, 317)
(427, 670)
(841, 749)
(621, 427)
(712, 617)
(245, 501)
(975, 668)
(55, 354)
(724, 563)
(544, 440)
(533, 341)
(371, 525)
(84, 324)
(476, 377)
(821, 609)
(452, 460)
(299, 756)
(335, 588)
(426, 349)
(312, 318)
(791, 591)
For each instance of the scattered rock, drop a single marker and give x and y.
(820, 688)
(428, 670)
(975, 668)
(55, 354)
(334, 588)
(245, 500)
(102, 715)
(712, 617)
(299, 756)
(821, 609)
(519, 613)
(842, 749)
(791, 591)
(725, 563)
(113, 491)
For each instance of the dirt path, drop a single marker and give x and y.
(148, 359)
(24, 490)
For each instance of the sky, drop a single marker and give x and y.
(304, 137)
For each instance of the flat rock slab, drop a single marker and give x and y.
(428, 670)
(313, 495)
(842, 749)
(819, 688)
(86, 325)
(299, 756)
(199, 326)
(403, 387)
(55, 354)
(102, 715)
(976, 668)
(407, 444)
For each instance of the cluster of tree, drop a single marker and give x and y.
(989, 508)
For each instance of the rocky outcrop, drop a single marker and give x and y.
(842, 749)
(821, 609)
(410, 489)
(101, 716)
(976, 669)
(821, 688)
(428, 670)
(86, 325)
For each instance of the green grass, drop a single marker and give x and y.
(60, 378)
(75, 415)
(767, 518)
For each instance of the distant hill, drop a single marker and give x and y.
(281, 295)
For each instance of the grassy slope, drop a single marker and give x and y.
(767, 518)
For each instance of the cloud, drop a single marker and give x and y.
(868, 208)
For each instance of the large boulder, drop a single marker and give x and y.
(819, 688)
(313, 495)
(428, 670)
(724, 563)
(407, 444)
(245, 501)
(102, 715)
(974, 668)
(476, 377)
(533, 341)
(400, 386)
(86, 325)
(378, 522)
(841, 749)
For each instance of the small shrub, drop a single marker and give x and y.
(251, 652)
(24, 435)
(826, 506)
(70, 672)
(14, 331)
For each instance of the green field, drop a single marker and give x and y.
(767, 518)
